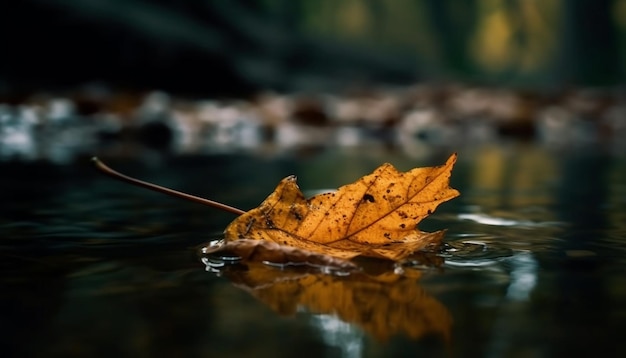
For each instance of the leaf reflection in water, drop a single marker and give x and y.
(383, 305)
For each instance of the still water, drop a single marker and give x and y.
(534, 262)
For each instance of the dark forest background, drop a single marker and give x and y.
(240, 46)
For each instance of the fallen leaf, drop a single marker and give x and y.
(382, 305)
(271, 252)
(376, 216)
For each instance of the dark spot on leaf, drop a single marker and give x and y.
(402, 226)
(403, 214)
(369, 198)
(387, 235)
(430, 211)
(250, 224)
(388, 191)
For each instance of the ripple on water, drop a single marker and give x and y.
(499, 221)
(517, 269)
(473, 253)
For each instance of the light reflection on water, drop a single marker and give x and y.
(534, 260)
(337, 333)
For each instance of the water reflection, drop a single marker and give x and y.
(383, 305)
(523, 276)
(337, 333)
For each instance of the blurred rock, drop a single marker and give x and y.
(60, 127)
(154, 126)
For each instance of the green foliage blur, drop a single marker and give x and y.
(246, 45)
(515, 41)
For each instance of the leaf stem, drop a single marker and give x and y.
(119, 176)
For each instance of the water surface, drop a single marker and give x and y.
(534, 261)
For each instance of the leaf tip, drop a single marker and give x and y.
(452, 158)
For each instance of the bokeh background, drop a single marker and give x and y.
(202, 76)
(242, 46)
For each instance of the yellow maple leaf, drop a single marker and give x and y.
(376, 216)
